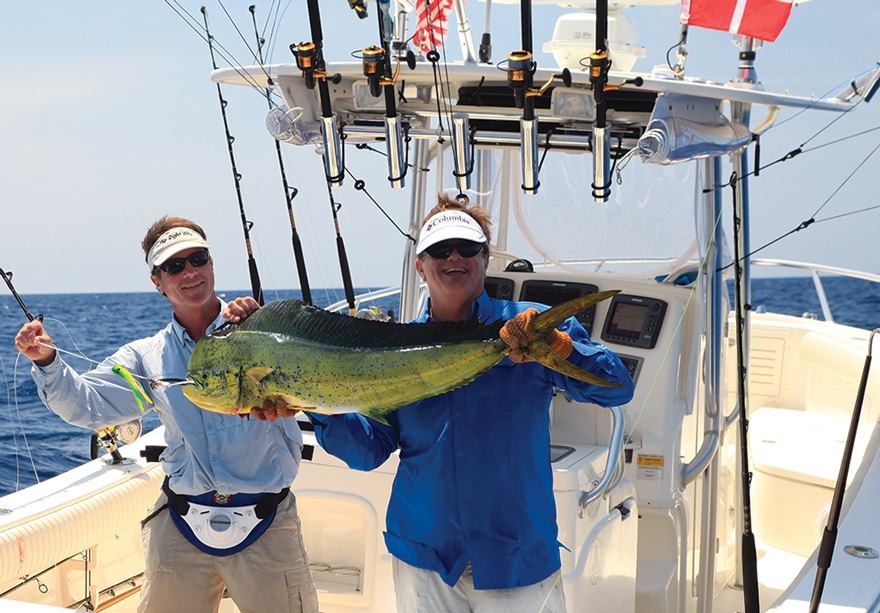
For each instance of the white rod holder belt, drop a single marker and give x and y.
(461, 150)
(529, 149)
(601, 164)
(332, 150)
(396, 160)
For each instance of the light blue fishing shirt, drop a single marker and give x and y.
(206, 451)
(474, 483)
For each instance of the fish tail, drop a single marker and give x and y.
(540, 351)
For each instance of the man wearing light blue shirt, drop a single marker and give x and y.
(214, 462)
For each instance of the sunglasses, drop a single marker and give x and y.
(176, 265)
(466, 249)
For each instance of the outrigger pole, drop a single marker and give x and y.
(104, 435)
(289, 192)
(246, 225)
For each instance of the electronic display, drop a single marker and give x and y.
(634, 320)
(552, 293)
(499, 287)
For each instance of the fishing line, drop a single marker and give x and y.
(806, 224)
(221, 50)
(21, 427)
(360, 185)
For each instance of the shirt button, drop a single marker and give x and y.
(460, 453)
(214, 458)
(210, 426)
(458, 413)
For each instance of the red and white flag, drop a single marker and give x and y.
(432, 16)
(763, 19)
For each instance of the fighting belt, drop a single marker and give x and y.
(222, 524)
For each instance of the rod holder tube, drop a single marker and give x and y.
(601, 163)
(461, 150)
(394, 143)
(529, 151)
(332, 150)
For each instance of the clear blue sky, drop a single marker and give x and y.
(109, 120)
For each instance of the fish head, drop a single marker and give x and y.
(214, 389)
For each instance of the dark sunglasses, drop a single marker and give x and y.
(466, 249)
(176, 265)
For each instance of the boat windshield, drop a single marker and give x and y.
(645, 228)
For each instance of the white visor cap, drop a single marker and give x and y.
(449, 225)
(174, 241)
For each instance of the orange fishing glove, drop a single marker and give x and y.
(560, 342)
(519, 332)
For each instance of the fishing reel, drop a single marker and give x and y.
(521, 70)
(599, 66)
(307, 60)
(373, 59)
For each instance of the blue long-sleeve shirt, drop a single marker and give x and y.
(205, 451)
(474, 482)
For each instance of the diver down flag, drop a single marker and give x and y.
(763, 19)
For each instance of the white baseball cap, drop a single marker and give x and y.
(174, 241)
(447, 225)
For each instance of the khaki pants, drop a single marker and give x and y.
(423, 591)
(271, 575)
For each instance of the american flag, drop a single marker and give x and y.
(763, 19)
(432, 17)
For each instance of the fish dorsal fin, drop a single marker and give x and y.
(307, 322)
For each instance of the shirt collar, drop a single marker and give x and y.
(183, 336)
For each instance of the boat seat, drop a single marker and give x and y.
(802, 446)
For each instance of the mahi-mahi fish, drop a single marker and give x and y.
(330, 363)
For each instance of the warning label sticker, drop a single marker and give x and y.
(649, 467)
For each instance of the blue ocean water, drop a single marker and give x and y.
(37, 445)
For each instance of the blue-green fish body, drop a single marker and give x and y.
(329, 363)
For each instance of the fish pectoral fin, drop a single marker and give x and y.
(257, 373)
(541, 352)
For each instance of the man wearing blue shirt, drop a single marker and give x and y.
(216, 464)
(471, 521)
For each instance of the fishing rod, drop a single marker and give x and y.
(377, 69)
(829, 535)
(749, 549)
(246, 225)
(310, 60)
(104, 436)
(520, 76)
(289, 193)
(7, 276)
(600, 64)
(343, 258)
